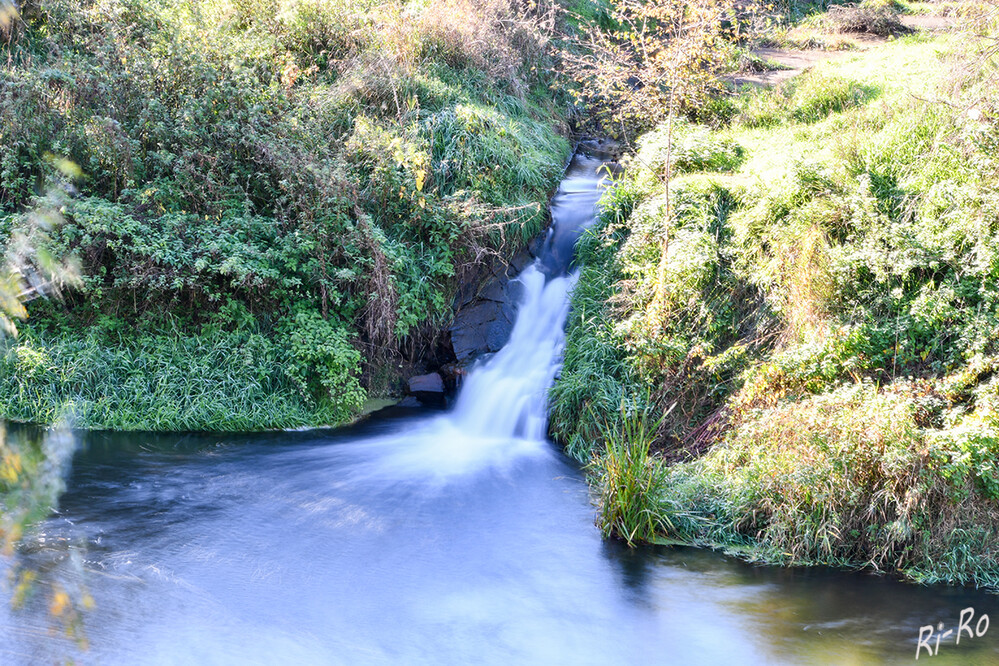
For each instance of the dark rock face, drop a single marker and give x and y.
(481, 328)
(483, 320)
(428, 389)
(429, 383)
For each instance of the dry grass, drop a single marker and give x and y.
(808, 280)
(879, 19)
(498, 38)
(845, 478)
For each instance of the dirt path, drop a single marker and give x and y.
(928, 23)
(793, 62)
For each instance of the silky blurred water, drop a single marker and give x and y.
(334, 548)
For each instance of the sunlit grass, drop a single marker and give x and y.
(825, 398)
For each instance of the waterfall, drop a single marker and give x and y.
(500, 415)
(505, 397)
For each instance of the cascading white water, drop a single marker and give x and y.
(505, 397)
(501, 412)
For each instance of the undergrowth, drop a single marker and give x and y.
(337, 165)
(819, 359)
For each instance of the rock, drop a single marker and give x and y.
(481, 328)
(482, 324)
(485, 307)
(494, 291)
(428, 389)
(519, 262)
(409, 401)
(429, 383)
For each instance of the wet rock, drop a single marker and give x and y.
(483, 321)
(520, 261)
(494, 291)
(428, 389)
(410, 401)
(480, 328)
(429, 383)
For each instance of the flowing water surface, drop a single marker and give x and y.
(427, 538)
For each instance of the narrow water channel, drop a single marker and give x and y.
(428, 538)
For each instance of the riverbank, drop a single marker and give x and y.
(809, 377)
(272, 206)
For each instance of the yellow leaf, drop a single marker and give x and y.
(60, 602)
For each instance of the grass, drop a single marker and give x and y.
(818, 358)
(845, 479)
(347, 161)
(164, 382)
(627, 481)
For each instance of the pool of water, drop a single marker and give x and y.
(376, 544)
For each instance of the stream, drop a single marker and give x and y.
(427, 537)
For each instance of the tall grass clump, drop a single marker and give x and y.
(627, 480)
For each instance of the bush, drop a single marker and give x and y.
(875, 17)
(695, 148)
(340, 159)
(323, 365)
(845, 478)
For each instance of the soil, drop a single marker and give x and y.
(797, 61)
(794, 61)
(928, 23)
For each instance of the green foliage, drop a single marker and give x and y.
(626, 478)
(808, 98)
(824, 366)
(592, 382)
(966, 457)
(335, 161)
(109, 377)
(32, 469)
(695, 148)
(323, 364)
(844, 478)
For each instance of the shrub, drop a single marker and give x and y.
(875, 17)
(323, 365)
(335, 158)
(695, 148)
(808, 98)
